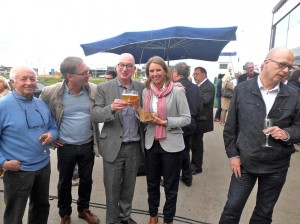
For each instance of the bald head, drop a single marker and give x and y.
(127, 56)
(277, 66)
(274, 52)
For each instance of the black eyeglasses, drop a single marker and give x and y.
(36, 123)
(128, 66)
(85, 73)
(33, 121)
(283, 65)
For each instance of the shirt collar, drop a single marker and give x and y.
(120, 85)
(260, 86)
(69, 91)
(202, 82)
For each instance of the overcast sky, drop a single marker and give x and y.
(42, 33)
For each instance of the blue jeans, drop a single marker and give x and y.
(18, 186)
(68, 156)
(269, 188)
(161, 163)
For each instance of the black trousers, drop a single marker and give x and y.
(166, 164)
(197, 151)
(68, 156)
(186, 161)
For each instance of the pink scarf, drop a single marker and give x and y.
(160, 130)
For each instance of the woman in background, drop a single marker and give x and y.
(218, 96)
(163, 137)
(4, 90)
(4, 86)
(225, 101)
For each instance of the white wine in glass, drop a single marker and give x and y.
(268, 122)
(130, 95)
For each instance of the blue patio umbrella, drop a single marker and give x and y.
(173, 43)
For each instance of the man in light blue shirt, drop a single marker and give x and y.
(26, 130)
(71, 102)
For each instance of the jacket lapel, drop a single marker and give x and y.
(116, 95)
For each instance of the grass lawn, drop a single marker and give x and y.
(50, 79)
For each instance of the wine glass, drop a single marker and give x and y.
(268, 122)
(42, 139)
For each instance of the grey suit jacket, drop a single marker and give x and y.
(110, 138)
(178, 115)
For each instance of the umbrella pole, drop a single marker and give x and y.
(168, 56)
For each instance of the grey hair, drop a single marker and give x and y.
(249, 63)
(15, 70)
(70, 65)
(182, 69)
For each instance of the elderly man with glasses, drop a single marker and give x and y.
(245, 135)
(71, 102)
(26, 130)
(120, 140)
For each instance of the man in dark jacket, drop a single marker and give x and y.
(244, 138)
(193, 95)
(205, 121)
(218, 96)
(250, 74)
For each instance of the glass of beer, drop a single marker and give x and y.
(130, 96)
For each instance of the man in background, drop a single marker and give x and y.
(180, 74)
(71, 102)
(110, 75)
(205, 121)
(26, 130)
(250, 74)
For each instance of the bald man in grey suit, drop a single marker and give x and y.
(120, 142)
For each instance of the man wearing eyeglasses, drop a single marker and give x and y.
(121, 140)
(71, 102)
(250, 73)
(251, 159)
(26, 130)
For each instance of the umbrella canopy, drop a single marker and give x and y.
(173, 43)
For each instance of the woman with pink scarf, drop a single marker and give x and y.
(163, 136)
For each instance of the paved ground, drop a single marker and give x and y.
(201, 203)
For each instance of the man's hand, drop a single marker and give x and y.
(235, 165)
(118, 104)
(58, 143)
(46, 138)
(13, 165)
(276, 133)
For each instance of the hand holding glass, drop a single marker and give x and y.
(43, 138)
(268, 122)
